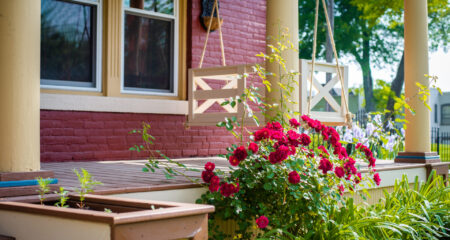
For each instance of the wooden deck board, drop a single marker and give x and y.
(127, 176)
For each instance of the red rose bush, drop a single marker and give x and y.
(278, 180)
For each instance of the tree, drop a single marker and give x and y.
(372, 32)
(391, 11)
(353, 35)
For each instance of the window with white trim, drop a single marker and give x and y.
(70, 44)
(149, 64)
(445, 114)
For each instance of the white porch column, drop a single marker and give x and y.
(19, 85)
(418, 142)
(279, 15)
(416, 66)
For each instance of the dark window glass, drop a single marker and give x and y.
(435, 113)
(445, 114)
(159, 6)
(148, 53)
(68, 43)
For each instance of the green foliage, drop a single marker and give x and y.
(285, 78)
(165, 164)
(412, 211)
(390, 13)
(44, 188)
(87, 184)
(381, 93)
(264, 188)
(62, 197)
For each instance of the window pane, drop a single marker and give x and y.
(67, 43)
(160, 6)
(148, 53)
(445, 115)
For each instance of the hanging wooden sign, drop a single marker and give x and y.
(327, 92)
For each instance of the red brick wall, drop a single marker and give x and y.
(244, 33)
(84, 136)
(75, 136)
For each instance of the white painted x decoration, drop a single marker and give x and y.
(208, 103)
(324, 92)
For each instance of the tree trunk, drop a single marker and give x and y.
(397, 85)
(368, 87)
(364, 62)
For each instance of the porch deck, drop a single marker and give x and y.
(126, 176)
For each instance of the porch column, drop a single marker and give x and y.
(280, 15)
(418, 142)
(19, 85)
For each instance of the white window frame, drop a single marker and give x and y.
(154, 15)
(53, 84)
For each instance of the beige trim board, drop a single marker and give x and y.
(112, 104)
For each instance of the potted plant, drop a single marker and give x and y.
(86, 216)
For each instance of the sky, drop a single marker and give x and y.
(439, 65)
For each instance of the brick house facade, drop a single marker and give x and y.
(88, 135)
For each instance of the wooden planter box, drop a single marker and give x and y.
(131, 219)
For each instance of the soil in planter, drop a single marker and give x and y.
(112, 208)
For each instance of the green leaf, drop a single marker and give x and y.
(267, 186)
(168, 176)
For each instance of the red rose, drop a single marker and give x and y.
(372, 161)
(325, 165)
(279, 155)
(358, 178)
(228, 189)
(344, 152)
(305, 139)
(377, 179)
(240, 153)
(349, 166)
(233, 161)
(253, 147)
(294, 177)
(293, 138)
(339, 171)
(294, 123)
(209, 166)
(325, 133)
(261, 134)
(305, 118)
(341, 189)
(276, 135)
(215, 182)
(262, 222)
(275, 126)
(207, 175)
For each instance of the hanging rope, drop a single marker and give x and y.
(348, 115)
(215, 8)
(316, 19)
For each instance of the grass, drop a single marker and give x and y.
(444, 151)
